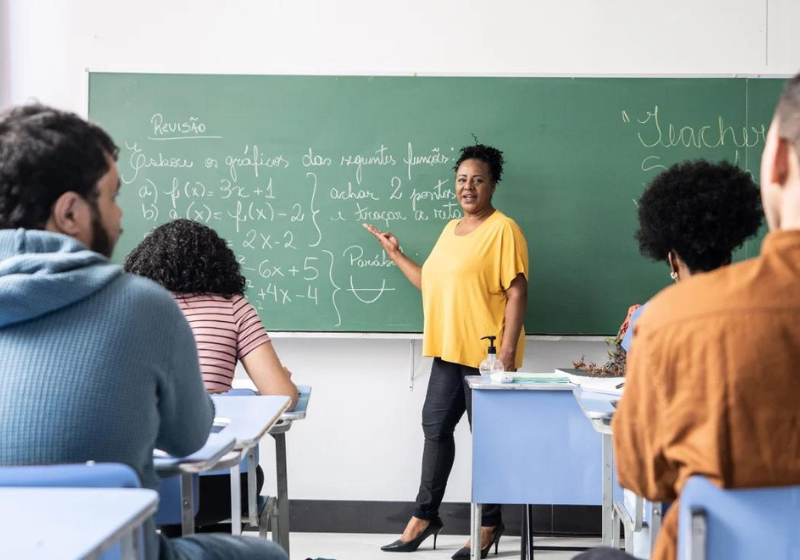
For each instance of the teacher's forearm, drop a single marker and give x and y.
(412, 270)
(514, 317)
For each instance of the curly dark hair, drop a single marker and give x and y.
(45, 153)
(703, 211)
(187, 257)
(488, 155)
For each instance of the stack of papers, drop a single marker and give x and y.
(544, 378)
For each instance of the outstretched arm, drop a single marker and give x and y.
(391, 246)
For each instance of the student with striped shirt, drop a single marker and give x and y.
(194, 263)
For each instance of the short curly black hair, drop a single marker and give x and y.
(487, 154)
(703, 211)
(45, 153)
(187, 257)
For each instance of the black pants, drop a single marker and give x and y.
(215, 502)
(447, 399)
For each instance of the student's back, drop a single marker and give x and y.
(712, 383)
(94, 364)
(97, 364)
(708, 382)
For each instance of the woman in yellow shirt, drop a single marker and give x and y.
(474, 284)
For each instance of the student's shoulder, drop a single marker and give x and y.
(142, 295)
(705, 295)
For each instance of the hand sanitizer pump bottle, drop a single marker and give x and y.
(491, 364)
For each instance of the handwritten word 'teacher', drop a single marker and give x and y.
(706, 136)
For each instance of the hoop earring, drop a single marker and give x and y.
(673, 275)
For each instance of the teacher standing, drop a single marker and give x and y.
(474, 284)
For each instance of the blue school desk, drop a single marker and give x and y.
(531, 444)
(218, 449)
(278, 432)
(599, 409)
(69, 523)
(280, 522)
(246, 419)
(642, 518)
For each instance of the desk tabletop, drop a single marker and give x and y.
(248, 417)
(300, 410)
(598, 407)
(479, 382)
(595, 404)
(69, 523)
(201, 460)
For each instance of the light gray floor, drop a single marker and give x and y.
(340, 546)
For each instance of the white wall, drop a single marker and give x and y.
(362, 440)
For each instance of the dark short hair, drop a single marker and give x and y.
(788, 113)
(487, 154)
(187, 257)
(703, 211)
(45, 153)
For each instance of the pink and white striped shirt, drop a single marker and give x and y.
(226, 330)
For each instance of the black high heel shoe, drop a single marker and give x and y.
(498, 532)
(433, 528)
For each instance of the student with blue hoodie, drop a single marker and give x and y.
(96, 364)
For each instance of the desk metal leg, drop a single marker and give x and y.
(608, 490)
(128, 545)
(283, 492)
(187, 505)
(656, 510)
(252, 488)
(475, 533)
(236, 500)
(526, 548)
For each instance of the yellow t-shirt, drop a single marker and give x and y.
(463, 289)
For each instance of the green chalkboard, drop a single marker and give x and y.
(288, 167)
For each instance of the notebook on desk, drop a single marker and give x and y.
(543, 378)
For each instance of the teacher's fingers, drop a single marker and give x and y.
(379, 235)
(373, 230)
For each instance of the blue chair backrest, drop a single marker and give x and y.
(83, 475)
(738, 524)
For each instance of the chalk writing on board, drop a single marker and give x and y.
(660, 136)
(138, 160)
(431, 159)
(706, 136)
(380, 157)
(378, 292)
(190, 129)
(282, 213)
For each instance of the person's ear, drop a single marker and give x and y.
(674, 269)
(780, 165)
(70, 215)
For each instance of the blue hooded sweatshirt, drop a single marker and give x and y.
(95, 364)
